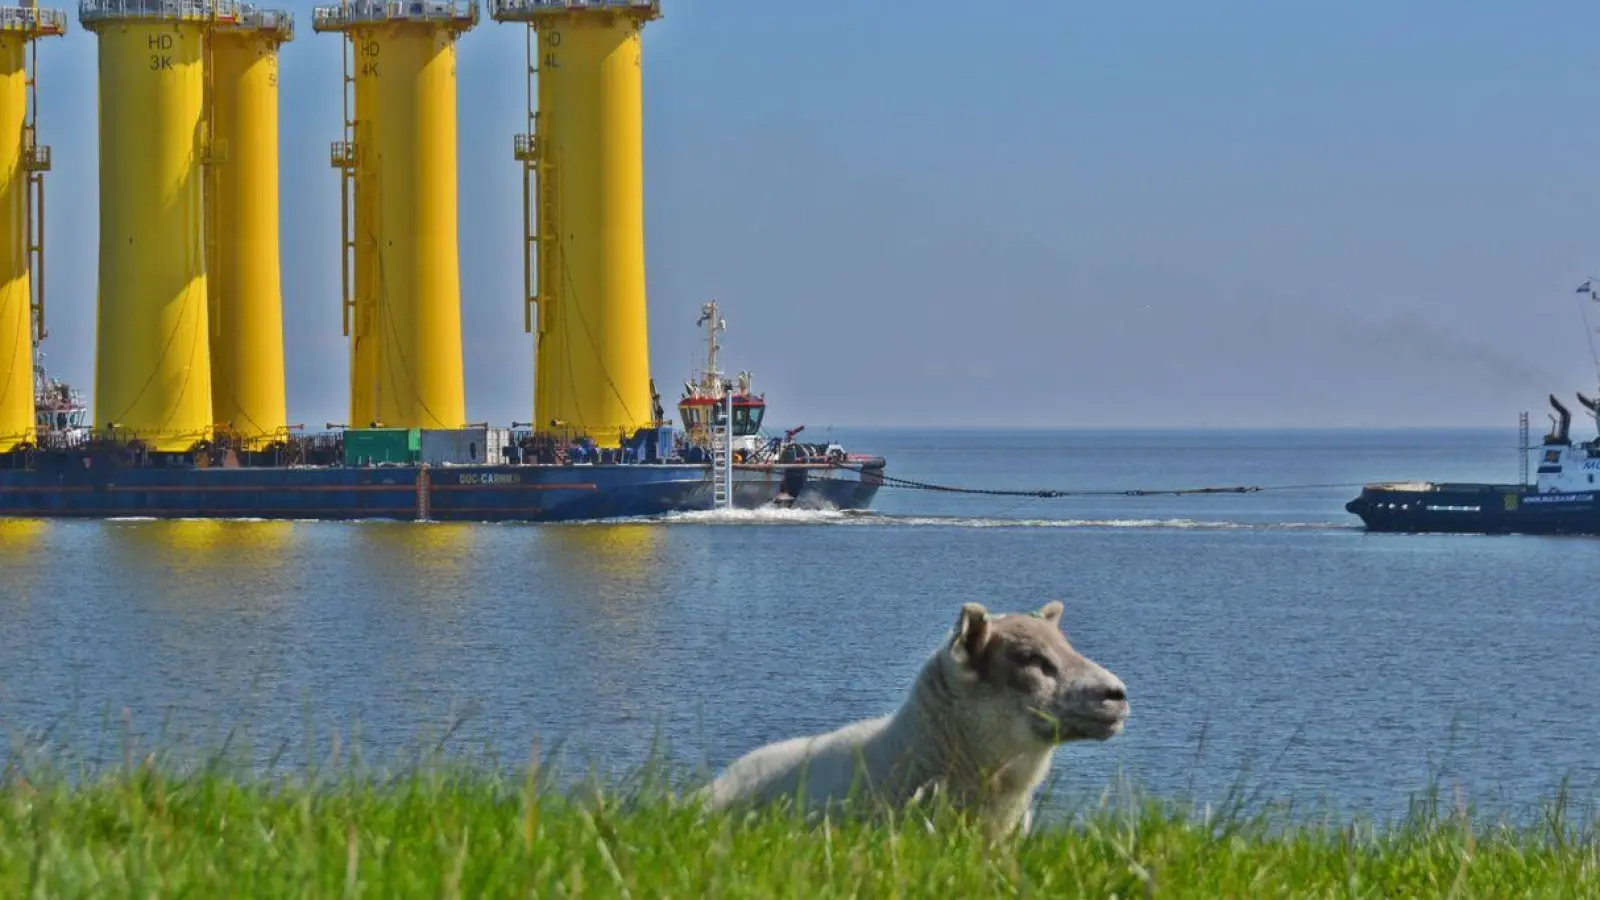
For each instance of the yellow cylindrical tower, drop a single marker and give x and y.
(420, 373)
(16, 282)
(22, 165)
(585, 153)
(153, 361)
(247, 383)
(406, 304)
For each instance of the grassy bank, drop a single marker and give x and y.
(451, 831)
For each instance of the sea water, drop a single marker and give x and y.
(1269, 645)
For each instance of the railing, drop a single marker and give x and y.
(253, 18)
(36, 158)
(525, 147)
(181, 10)
(119, 436)
(525, 9)
(342, 154)
(30, 20)
(333, 18)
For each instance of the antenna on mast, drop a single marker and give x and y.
(1588, 287)
(711, 378)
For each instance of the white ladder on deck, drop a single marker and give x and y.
(722, 461)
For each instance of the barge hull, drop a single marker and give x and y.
(517, 493)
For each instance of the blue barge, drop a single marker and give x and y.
(719, 459)
(532, 492)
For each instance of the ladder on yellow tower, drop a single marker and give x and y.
(35, 23)
(342, 155)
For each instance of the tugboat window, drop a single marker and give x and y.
(747, 419)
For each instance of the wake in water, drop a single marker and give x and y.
(779, 516)
(773, 515)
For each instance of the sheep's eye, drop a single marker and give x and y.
(1039, 661)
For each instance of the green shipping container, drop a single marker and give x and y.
(373, 446)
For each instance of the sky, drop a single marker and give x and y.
(1160, 214)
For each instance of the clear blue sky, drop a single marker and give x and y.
(1054, 214)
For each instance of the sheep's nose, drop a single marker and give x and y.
(1110, 691)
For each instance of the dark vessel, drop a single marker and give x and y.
(719, 459)
(1562, 499)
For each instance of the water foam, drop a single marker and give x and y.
(765, 515)
(779, 516)
(772, 515)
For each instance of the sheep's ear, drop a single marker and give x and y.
(972, 632)
(1051, 612)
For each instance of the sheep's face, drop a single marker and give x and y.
(1021, 678)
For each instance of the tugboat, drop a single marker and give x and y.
(710, 399)
(1562, 499)
(61, 418)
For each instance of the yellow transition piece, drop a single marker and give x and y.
(420, 376)
(406, 366)
(16, 285)
(19, 321)
(244, 273)
(153, 367)
(593, 355)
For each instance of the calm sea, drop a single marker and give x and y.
(1267, 642)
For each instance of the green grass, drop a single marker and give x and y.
(146, 828)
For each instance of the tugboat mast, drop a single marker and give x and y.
(711, 381)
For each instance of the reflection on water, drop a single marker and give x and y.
(20, 542)
(200, 540)
(432, 568)
(613, 573)
(19, 535)
(197, 570)
(598, 599)
(188, 547)
(20, 539)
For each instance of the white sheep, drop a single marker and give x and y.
(978, 726)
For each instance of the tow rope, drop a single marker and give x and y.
(1048, 493)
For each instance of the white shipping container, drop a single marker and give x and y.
(498, 438)
(465, 446)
